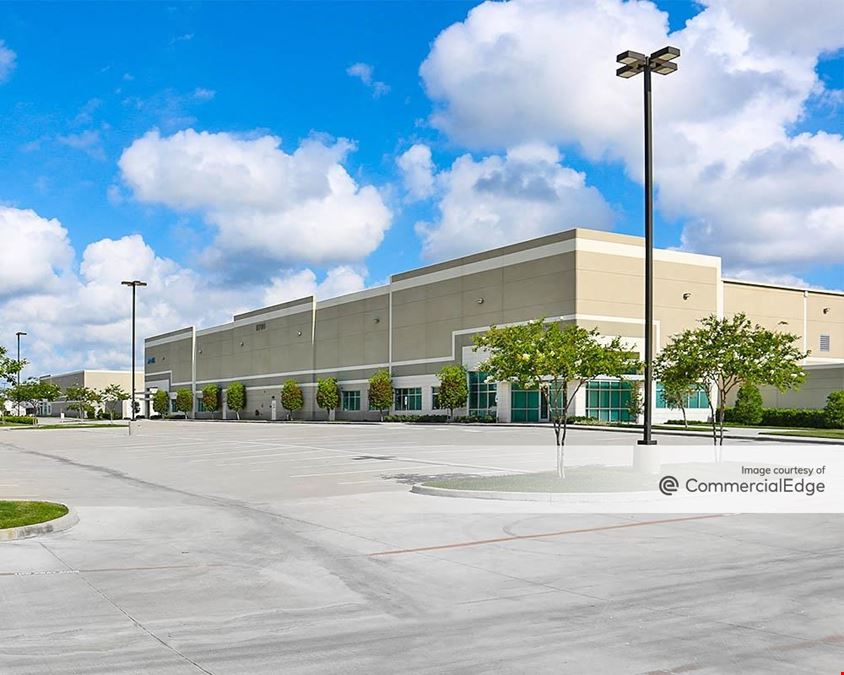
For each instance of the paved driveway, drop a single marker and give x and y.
(257, 548)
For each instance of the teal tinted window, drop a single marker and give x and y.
(482, 394)
(607, 400)
(524, 405)
(435, 398)
(351, 400)
(697, 400)
(408, 398)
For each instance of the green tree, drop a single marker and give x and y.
(454, 388)
(184, 401)
(292, 398)
(161, 402)
(211, 398)
(676, 391)
(723, 354)
(9, 368)
(113, 394)
(328, 395)
(557, 360)
(634, 403)
(834, 410)
(748, 408)
(82, 399)
(380, 392)
(236, 397)
(33, 391)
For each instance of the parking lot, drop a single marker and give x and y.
(265, 548)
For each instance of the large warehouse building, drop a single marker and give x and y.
(425, 318)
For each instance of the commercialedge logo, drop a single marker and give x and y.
(668, 485)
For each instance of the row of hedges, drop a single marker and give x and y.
(440, 419)
(19, 419)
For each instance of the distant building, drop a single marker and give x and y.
(424, 319)
(93, 379)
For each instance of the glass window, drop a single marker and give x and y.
(351, 399)
(408, 398)
(482, 394)
(607, 400)
(524, 405)
(435, 398)
(697, 400)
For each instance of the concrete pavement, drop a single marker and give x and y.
(225, 548)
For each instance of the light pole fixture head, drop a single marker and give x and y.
(659, 62)
(20, 332)
(136, 282)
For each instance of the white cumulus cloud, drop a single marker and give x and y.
(264, 203)
(365, 73)
(503, 199)
(299, 284)
(8, 61)
(726, 162)
(417, 169)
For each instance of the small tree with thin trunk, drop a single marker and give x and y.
(211, 398)
(33, 391)
(724, 354)
(161, 402)
(236, 397)
(676, 392)
(292, 398)
(634, 403)
(328, 395)
(748, 407)
(556, 360)
(380, 392)
(184, 401)
(81, 399)
(113, 394)
(454, 388)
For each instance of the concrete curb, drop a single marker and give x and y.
(545, 497)
(59, 524)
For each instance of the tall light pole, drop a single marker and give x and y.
(18, 392)
(634, 63)
(134, 284)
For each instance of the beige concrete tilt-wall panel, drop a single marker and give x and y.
(830, 323)
(175, 356)
(613, 286)
(426, 317)
(352, 333)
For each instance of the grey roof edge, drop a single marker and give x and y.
(172, 333)
(307, 300)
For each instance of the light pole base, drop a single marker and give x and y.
(644, 442)
(647, 458)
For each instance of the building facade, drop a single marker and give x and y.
(93, 379)
(426, 318)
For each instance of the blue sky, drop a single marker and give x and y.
(99, 96)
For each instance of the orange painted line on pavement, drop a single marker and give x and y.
(540, 535)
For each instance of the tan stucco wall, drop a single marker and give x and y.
(820, 381)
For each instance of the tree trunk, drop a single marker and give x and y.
(685, 421)
(714, 428)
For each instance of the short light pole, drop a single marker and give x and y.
(633, 63)
(18, 390)
(134, 284)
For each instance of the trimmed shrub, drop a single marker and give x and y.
(748, 408)
(791, 417)
(834, 410)
(292, 398)
(441, 419)
(19, 419)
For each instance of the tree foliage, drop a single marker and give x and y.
(380, 391)
(113, 394)
(634, 403)
(211, 397)
(454, 388)
(161, 402)
(834, 410)
(236, 397)
(723, 354)
(748, 408)
(292, 398)
(557, 360)
(184, 401)
(33, 391)
(9, 368)
(82, 399)
(328, 394)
